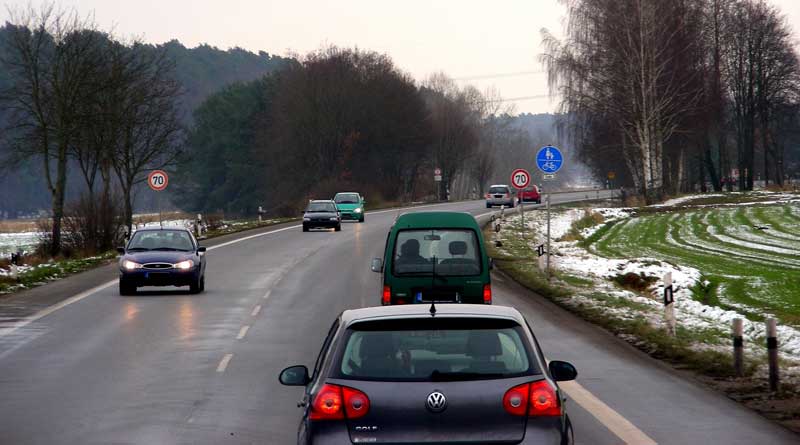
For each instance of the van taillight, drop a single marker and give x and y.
(386, 298)
(537, 399)
(487, 294)
(334, 402)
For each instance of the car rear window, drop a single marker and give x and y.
(321, 207)
(448, 252)
(435, 350)
(498, 190)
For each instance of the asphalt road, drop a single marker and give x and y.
(169, 367)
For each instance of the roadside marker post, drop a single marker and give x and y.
(669, 304)
(547, 253)
(772, 353)
(738, 347)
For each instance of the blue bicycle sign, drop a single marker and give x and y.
(549, 159)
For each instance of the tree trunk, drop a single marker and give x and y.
(58, 200)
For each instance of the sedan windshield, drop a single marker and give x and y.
(321, 207)
(447, 252)
(161, 240)
(346, 198)
(435, 350)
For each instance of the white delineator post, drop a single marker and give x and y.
(669, 304)
(738, 346)
(772, 353)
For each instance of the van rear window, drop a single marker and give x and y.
(447, 252)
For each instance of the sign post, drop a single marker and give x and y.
(520, 178)
(549, 160)
(158, 181)
(437, 179)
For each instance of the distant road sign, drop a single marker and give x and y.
(158, 180)
(612, 175)
(549, 159)
(520, 178)
(437, 171)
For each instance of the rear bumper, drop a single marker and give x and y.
(499, 201)
(352, 216)
(141, 278)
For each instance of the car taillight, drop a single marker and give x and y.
(334, 402)
(487, 294)
(488, 195)
(515, 401)
(356, 403)
(387, 296)
(327, 404)
(537, 399)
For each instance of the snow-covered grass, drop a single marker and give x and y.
(726, 262)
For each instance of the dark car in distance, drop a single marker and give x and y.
(322, 214)
(450, 373)
(161, 257)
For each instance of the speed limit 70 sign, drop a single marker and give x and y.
(520, 178)
(158, 180)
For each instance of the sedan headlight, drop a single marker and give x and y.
(358, 210)
(130, 265)
(184, 265)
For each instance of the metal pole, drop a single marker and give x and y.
(547, 205)
(772, 352)
(158, 203)
(738, 347)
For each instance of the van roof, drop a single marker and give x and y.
(432, 220)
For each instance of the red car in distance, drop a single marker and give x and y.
(530, 194)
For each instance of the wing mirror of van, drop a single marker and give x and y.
(377, 265)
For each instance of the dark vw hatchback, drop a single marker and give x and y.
(423, 374)
(161, 257)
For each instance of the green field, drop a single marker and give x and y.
(749, 254)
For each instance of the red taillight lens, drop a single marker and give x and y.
(387, 295)
(543, 400)
(488, 195)
(333, 402)
(356, 403)
(487, 294)
(327, 404)
(515, 401)
(537, 399)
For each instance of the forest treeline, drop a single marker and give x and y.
(675, 95)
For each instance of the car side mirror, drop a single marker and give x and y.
(377, 265)
(562, 371)
(201, 249)
(121, 250)
(295, 376)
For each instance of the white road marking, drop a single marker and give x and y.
(266, 296)
(256, 310)
(612, 420)
(223, 364)
(243, 332)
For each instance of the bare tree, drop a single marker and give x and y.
(52, 57)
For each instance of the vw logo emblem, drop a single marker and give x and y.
(436, 402)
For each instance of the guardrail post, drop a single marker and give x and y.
(738, 347)
(772, 353)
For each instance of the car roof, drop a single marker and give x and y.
(498, 185)
(416, 311)
(159, 228)
(432, 220)
(348, 193)
(321, 200)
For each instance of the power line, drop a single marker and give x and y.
(499, 75)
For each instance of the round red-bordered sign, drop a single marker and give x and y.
(158, 180)
(520, 178)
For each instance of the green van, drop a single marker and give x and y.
(435, 257)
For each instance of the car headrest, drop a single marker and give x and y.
(376, 345)
(457, 248)
(410, 247)
(483, 343)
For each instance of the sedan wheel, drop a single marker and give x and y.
(197, 286)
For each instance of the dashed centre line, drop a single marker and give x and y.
(256, 310)
(243, 332)
(223, 364)
(266, 296)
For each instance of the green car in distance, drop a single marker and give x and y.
(435, 257)
(351, 205)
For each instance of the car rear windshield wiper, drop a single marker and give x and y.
(438, 376)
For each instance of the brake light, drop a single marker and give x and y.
(488, 195)
(487, 294)
(515, 401)
(537, 399)
(356, 403)
(386, 299)
(327, 404)
(334, 402)
(543, 400)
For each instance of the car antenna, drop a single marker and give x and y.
(433, 308)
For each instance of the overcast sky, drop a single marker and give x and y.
(463, 38)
